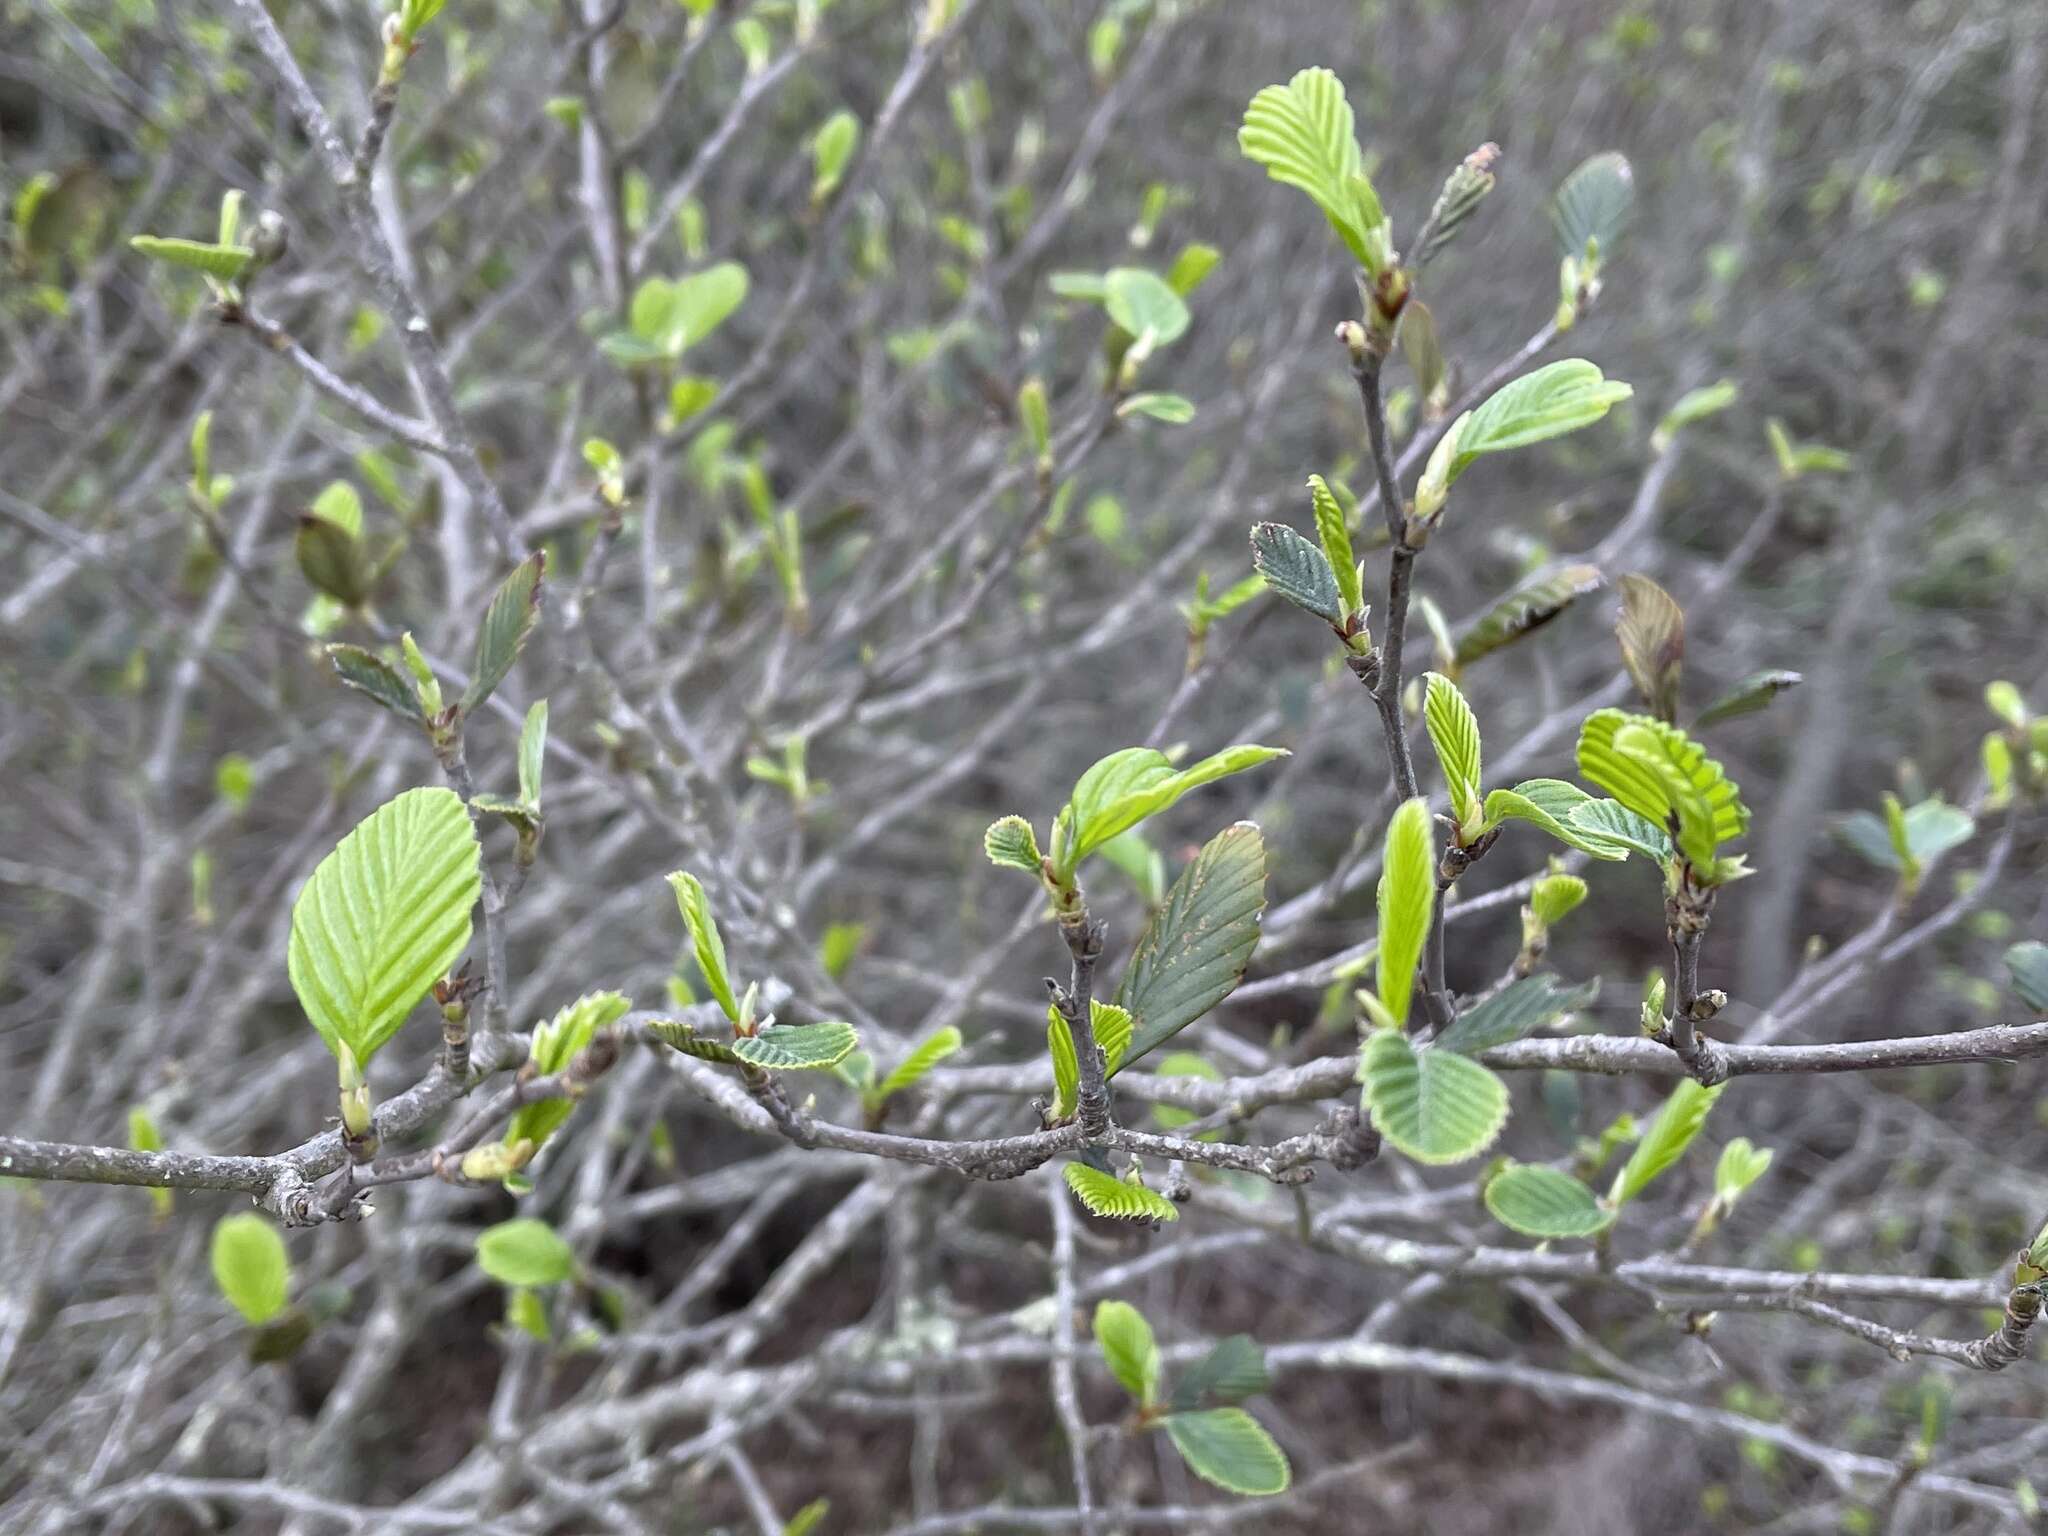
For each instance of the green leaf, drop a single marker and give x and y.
(1194, 263)
(1592, 206)
(1748, 696)
(1011, 844)
(384, 917)
(1694, 405)
(797, 1047)
(1454, 732)
(1128, 1349)
(934, 1049)
(333, 560)
(683, 1037)
(807, 1519)
(1528, 607)
(1677, 1123)
(1652, 636)
(1558, 398)
(1035, 414)
(705, 941)
(1463, 191)
(831, 148)
(2027, 964)
(368, 673)
(1335, 535)
(1519, 1009)
(1141, 303)
(1130, 786)
(1139, 862)
(1234, 1370)
(1194, 950)
(1303, 134)
(251, 1267)
(1551, 804)
(1111, 1027)
(1089, 287)
(1425, 354)
(1621, 827)
(1741, 1165)
(1297, 570)
(1664, 776)
(1407, 896)
(673, 315)
(524, 1252)
(1434, 1105)
(1543, 1202)
(515, 607)
(2005, 700)
(556, 1043)
(1227, 1447)
(223, 263)
(1174, 410)
(1104, 1194)
(1556, 897)
(533, 752)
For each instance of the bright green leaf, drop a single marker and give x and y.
(1128, 1349)
(251, 1267)
(1011, 844)
(223, 263)
(1666, 1139)
(1454, 732)
(1128, 787)
(934, 1049)
(1104, 1194)
(556, 1043)
(705, 940)
(797, 1047)
(1407, 896)
(524, 1252)
(1434, 1105)
(831, 148)
(1335, 536)
(1304, 135)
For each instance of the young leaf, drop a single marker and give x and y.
(1194, 950)
(524, 1252)
(1694, 405)
(533, 751)
(1194, 263)
(1454, 732)
(1663, 775)
(1297, 570)
(1677, 1123)
(1557, 398)
(1011, 844)
(1104, 1194)
(251, 1267)
(1519, 1009)
(1555, 897)
(1174, 410)
(1621, 827)
(2027, 964)
(384, 917)
(1303, 134)
(1231, 1372)
(1141, 303)
(1551, 804)
(1335, 535)
(705, 940)
(797, 1047)
(368, 673)
(223, 263)
(1652, 636)
(1747, 696)
(333, 560)
(831, 148)
(1111, 1026)
(1530, 606)
(1407, 896)
(1434, 1105)
(509, 620)
(683, 1037)
(1464, 189)
(670, 316)
(1544, 1202)
(1227, 1447)
(1128, 1349)
(1592, 206)
(1741, 1165)
(934, 1049)
(1128, 787)
(1425, 354)
(556, 1043)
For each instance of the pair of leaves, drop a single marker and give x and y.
(1130, 786)
(1324, 581)
(1556, 399)
(508, 623)
(1303, 134)
(1223, 1445)
(1664, 776)
(524, 1252)
(1112, 1029)
(384, 916)
(556, 1043)
(1908, 838)
(668, 316)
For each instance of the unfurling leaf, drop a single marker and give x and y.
(384, 916)
(831, 148)
(796, 1047)
(1519, 1009)
(1663, 775)
(1435, 1106)
(556, 1043)
(1194, 950)
(1425, 354)
(370, 674)
(1141, 303)
(1127, 787)
(1463, 191)
(1227, 1447)
(334, 560)
(1741, 1165)
(533, 750)
(515, 607)
(1174, 410)
(1747, 696)
(1592, 207)
(524, 1252)
(1652, 636)
(1011, 844)
(1555, 897)
(1231, 1372)
(1303, 134)
(1694, 405)
(934, 1049)
(251, 1267)
(1104, 1194)
(1297, 570)
(1128, 1349)
(1111, 1027)
(705, 940)
(1335, 535)
(1677, 1123)
(1407, 896)
(1553, 805)
(223, 263)
(1454, 732)
(1530, 606)
(1544, 1202)
(1908, 838)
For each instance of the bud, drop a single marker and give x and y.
(496, 1160)
(271, 237)
(355, 1094)
(428, 686)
